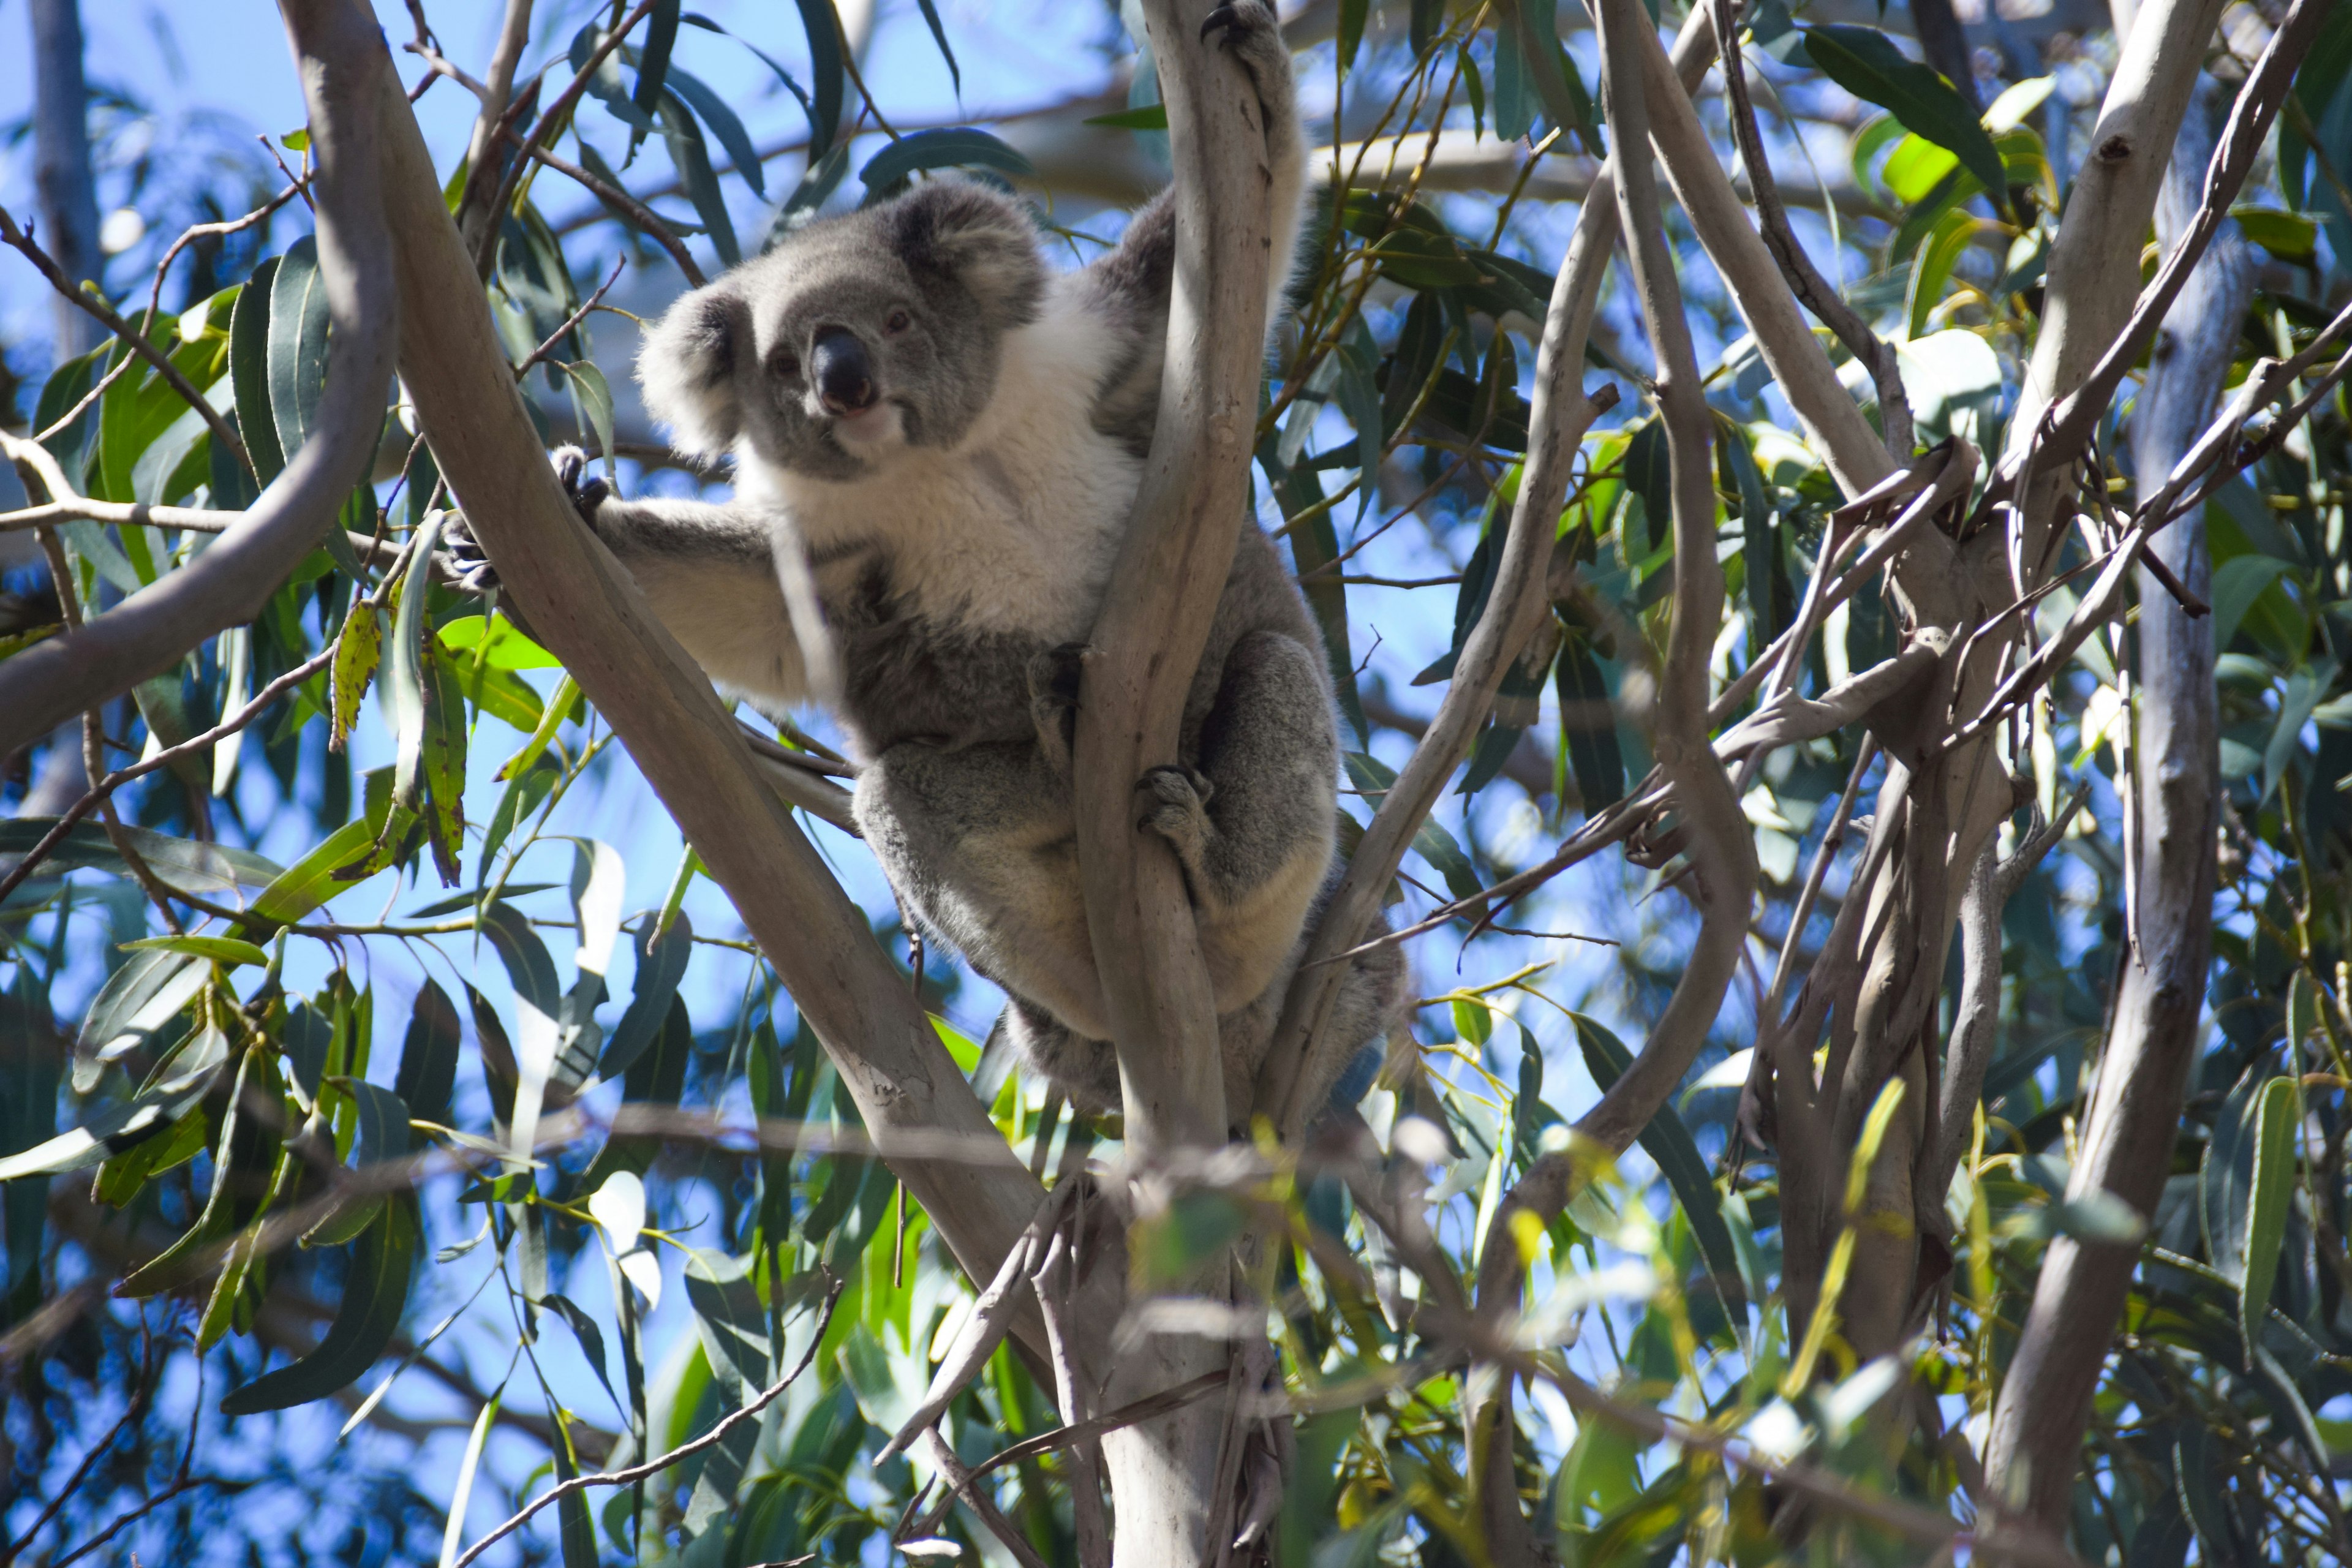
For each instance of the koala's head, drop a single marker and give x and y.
(856, 338)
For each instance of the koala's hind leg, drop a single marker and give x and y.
(1085, 1071)
(980, 844)
(1253, 823)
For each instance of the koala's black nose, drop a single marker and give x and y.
(842, 376)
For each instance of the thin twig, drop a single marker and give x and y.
(654, 1467)
(1803, 278)
(644, 216)
(99, 310)
(556, 115)
(572, 321)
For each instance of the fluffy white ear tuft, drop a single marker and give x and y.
(687, 368)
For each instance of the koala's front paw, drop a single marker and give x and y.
(468, 561)
(586, 494)
(1054, 701)
(1176, 807)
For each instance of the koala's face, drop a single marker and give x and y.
(854, 340)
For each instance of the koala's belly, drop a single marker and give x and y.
(909, 677)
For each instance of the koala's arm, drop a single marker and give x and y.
(710, 573)
(1131, 283)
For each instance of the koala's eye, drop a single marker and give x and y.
(784, 363)
(896, 322)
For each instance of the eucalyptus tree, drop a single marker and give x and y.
(1945, 717)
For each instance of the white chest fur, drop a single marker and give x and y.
(1016, 527)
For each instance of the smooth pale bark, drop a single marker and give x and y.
(2034, 1449)
(1193, 503)
(593, 618)
(228, 584)
(1959, 802)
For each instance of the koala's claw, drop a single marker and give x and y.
(1236, 20)
(585, 494)
(468, 561)
(1177, 810)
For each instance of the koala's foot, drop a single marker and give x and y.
(1252, 33)
(585, 494)
(467, 560)
(1176, 807)
(1054, 701)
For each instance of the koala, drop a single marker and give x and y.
(937, 444)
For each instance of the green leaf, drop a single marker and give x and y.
(1431, 841)
(375, 1291)
(182, 865)
(383, 1136)
(135, 1003)
(1931, 266)
(692, 157)
(522, 796)
(661, 962)
(312, 880)
(539, 1001)
(2278, 1116)
(605, 82)
(124, 1175)
(1866, 63)
(1149, 117)
(1649, 476)
(827, 74)
(244, 1160)
(731, 1325)
(658, 1076)
(429, 1056)
(1352, 15)
(399, 688)
(152, 1111)
(652, 63)
(248, 371)
(298, 343)
(959, 147)
(219, 949)
(1669, 1142)
(444, 764)
(1588, 726)
(593, 396)
(356, 658)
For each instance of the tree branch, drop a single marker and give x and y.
(231, 582)
(750, 1410)
(1722, 856)
(593, 618)
(1558, 420)
(1805, 279)
(2127, 1138)
(1832, 419)
(2070, 422)
(133, 338)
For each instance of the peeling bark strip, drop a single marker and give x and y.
(229, 582)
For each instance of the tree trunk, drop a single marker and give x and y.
(67, 192)
(61, 168)
(2034, 1448)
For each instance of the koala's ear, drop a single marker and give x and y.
(687, 367)
(957, 232)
